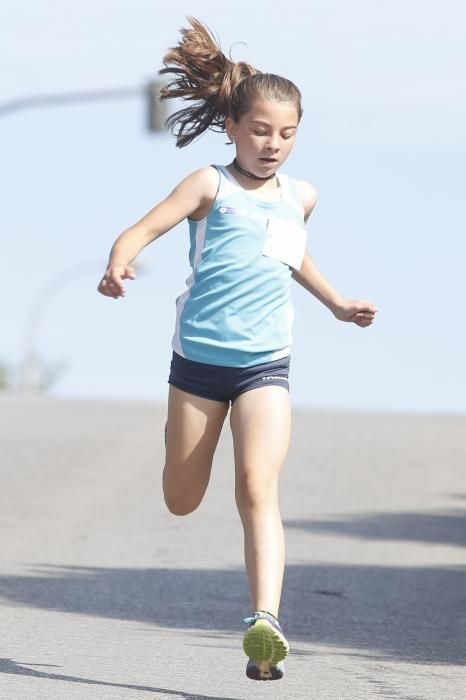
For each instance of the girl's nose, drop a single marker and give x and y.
(273, 143)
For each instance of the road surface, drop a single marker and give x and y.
(105, 595)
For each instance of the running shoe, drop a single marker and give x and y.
(266, 646)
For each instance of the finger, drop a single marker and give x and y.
(115, 285)
(110, 293)
(103, 287)
(110, 289)
(129, 273)
(366, 307)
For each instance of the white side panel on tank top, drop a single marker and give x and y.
(200, 238)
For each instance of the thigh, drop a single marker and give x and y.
(260, 422)
(194, 424)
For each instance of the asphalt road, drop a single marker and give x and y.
(106, 595)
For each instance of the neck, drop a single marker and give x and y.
(246, 173)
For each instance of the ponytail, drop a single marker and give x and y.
(218, 87)
(202, 73)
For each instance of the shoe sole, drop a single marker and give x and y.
(266, 646)
(255, 674)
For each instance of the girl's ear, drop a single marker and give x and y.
(230, 129)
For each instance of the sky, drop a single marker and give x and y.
(383, 140)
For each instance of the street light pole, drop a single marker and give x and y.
(30, 374)
(29, 379)
(156, 109)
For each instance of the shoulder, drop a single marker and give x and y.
(205, 179)
(308, 195)
(200, 189)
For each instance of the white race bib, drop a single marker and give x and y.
(285, 241)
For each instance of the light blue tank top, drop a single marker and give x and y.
(237, 309)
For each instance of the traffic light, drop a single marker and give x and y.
(157, 113)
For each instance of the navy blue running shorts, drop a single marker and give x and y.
(221, 383)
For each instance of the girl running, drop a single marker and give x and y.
(233, 332)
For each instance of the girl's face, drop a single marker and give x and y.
(264, 136)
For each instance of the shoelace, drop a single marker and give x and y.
(258, 616)
(252, 618)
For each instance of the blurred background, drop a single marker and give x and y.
(383, 139)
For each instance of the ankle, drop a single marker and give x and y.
(268, 613)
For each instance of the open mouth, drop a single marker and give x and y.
(268, 160)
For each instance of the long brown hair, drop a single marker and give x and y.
(218, 87)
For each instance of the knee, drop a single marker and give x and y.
(251, 493)
(179, 508)
(178, 505)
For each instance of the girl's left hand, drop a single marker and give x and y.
(360, 312)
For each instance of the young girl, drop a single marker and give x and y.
(232, 335)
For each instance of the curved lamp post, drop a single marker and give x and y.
(30, 370)
(156, 110)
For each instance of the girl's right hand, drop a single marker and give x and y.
(111, 284)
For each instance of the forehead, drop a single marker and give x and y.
(274, 112)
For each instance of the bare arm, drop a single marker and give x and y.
(191, 194)
(310, 277)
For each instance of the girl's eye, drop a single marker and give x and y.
(264, 133)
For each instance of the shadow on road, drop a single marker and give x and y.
(9, 666)
(448, 527)
(385, 612)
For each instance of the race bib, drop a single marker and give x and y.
(285, 241)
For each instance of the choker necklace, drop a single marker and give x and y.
(248, 174)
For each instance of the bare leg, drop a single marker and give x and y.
(261, 426)
(194, 425)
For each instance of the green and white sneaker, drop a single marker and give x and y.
(266, 646)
